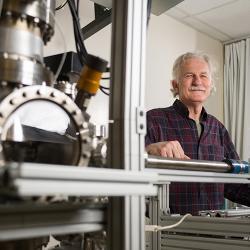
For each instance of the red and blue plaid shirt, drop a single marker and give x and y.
(214, 144)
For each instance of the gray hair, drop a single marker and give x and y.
(176, 73)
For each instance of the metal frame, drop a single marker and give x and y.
(102, 19)
(30, 179)
(206, 233)
(32, 220)
(175, 242)
(166, 176)
(195, 225)
(126, 137)
(202, 225)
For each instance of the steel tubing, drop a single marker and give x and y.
(193, 165)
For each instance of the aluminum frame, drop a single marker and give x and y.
(30, 179)
(126, 137)
(206, 233)
(167, 176)
(35, 220)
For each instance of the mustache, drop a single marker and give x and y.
(195, 88)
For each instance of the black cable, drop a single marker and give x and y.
(103, 91)
(77, 7)
(61, 6)
(77, 29)
(76, 21)
(104, 87)
(80, 47)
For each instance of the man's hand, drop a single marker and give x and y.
(170, 149)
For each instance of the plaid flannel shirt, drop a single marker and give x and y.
(214, 144)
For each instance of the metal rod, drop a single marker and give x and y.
(193, 165)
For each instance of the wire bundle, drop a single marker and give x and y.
(79, 40)
(80, 47)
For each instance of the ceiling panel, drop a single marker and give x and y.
(177, 13)
(221, 19)
(193, 7)
(233, 19)
(207, 29)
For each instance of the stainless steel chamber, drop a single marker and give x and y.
(38, 123)
(25, 26)
(43, 125)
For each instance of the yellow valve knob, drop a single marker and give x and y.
(91, 74)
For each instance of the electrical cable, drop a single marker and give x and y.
(103, 90)
(80, 47)
(104, 87)
(61, 6)
(156, 228)
(77, 7)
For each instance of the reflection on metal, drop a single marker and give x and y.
(195, 165)
(30, 179)
(38, 120)
(230, 166)
(198, 232)
(168, 175)
(35, 220)
(67, 88)
(24, 28)
(194, 242)
(21, 71)
(126, 145)
(206, 233)
(36, 13)
(238, 212)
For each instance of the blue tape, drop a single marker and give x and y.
(238, 167)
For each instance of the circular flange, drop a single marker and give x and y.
(44, 103)
(16, 69)
(39, 12)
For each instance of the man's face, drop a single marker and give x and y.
(194, 85)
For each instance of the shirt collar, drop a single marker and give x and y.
(183, 110)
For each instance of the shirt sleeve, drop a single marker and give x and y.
(229, 148)
(238, 193)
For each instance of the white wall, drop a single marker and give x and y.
(167, 39)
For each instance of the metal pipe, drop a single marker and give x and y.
(193, 165)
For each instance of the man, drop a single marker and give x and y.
(186, 131)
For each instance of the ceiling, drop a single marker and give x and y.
(224, 20)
